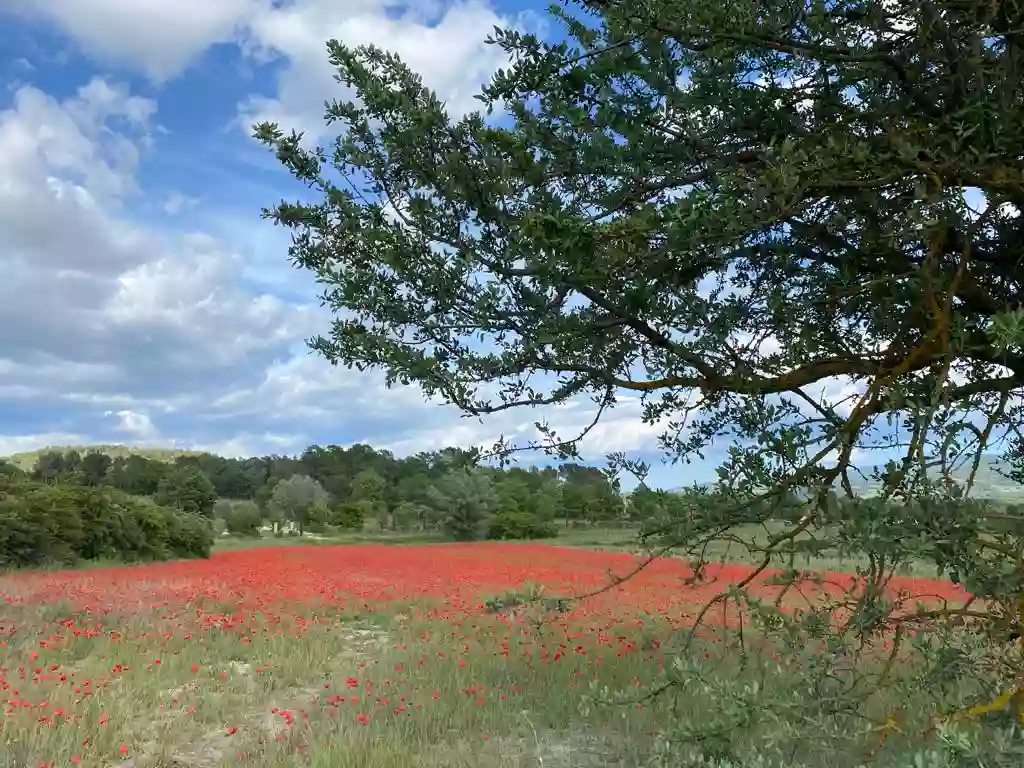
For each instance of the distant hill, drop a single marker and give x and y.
(26, 460)
(988, 482)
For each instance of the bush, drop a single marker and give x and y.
(242, 518)
(62, 524)
(349, 515)
(520, 525)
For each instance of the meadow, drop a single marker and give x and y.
(359, 655)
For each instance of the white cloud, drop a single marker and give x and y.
(160, 38)
(129, 321)
(139, 426)
(247, 444)
(97, 309)
(444, 42)
(620, 429)
(176, 203)
(10, 444)
(447, 49)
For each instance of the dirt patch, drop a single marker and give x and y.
(581, 748)
(211, 749)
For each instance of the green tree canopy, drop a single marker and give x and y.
(298, 499)
(186, 488)
(465, 500)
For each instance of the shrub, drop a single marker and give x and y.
(242, 518)
(520, 525)
(61, 524)
(349, 515)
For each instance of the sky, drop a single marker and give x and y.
(144, 301)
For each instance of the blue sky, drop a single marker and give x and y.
(144, 300)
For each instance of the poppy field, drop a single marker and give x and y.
(364, 655)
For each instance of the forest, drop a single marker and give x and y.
(83, 505)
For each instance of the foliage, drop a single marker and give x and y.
(137, 474)
(9, 469)
(792, 228)
(364, 483)
(94, 468)
(300, 500)
(465, 501)
(520, 525)
(43, 523)
(368, 491)
(241, 518)
(186, 488)
(349, 515)
(318, 517)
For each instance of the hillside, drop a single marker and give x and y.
(988, 482)
(27, 459)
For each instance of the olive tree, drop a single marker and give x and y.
(793, 227)
(464, 501)
(301, 500)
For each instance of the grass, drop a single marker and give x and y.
(366, 655)
(346, 692)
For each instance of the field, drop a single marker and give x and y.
(361, 655)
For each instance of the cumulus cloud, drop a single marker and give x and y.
(157, 37)
(125, 320)
(115, 327)
(444, 42)
(176, 203)
(11, 444)
(445, 46)
(139, 426)
(95, 307)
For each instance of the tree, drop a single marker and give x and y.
(94, 468)
(241, 518)
(137, 475)
(412, 493)
(464, 499)
(229, 477)
(63, 523)
(49, 465)
(186, 488)
(369, 489)
(10, 470)
(264, 494)
(587, 495)
(791, 228)
(299, 499)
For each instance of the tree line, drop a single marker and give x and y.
(444, 492)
